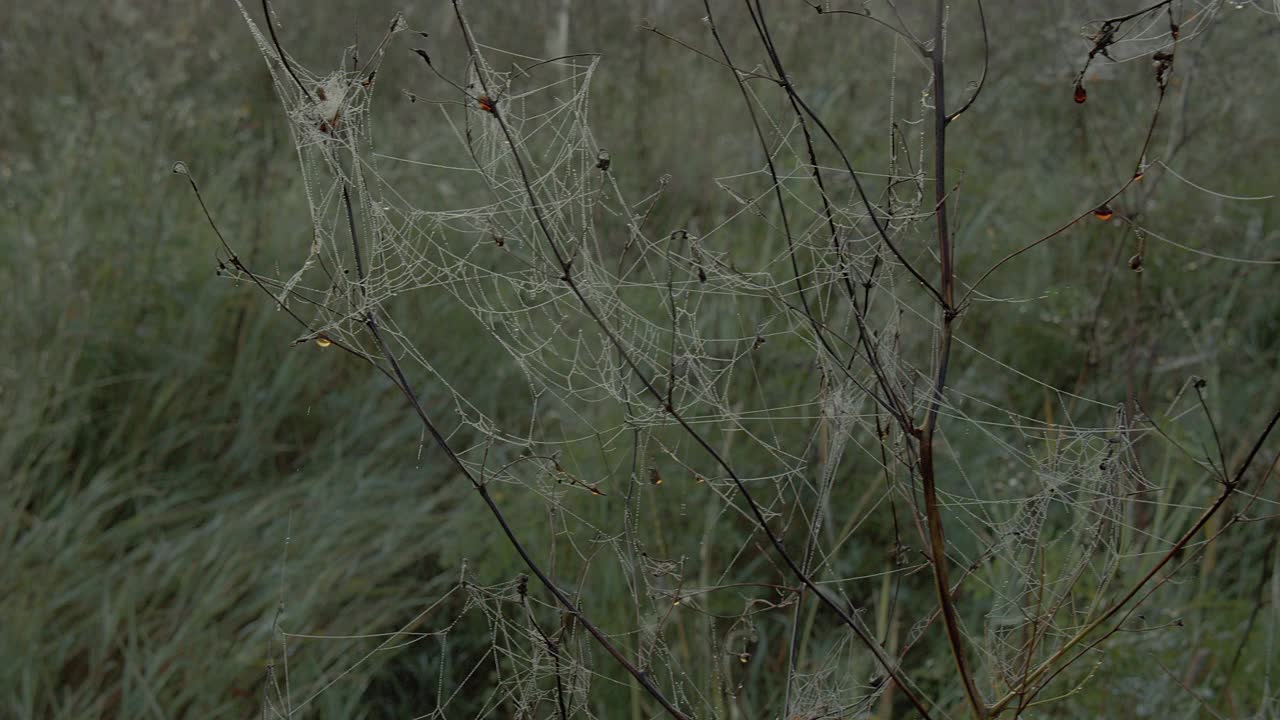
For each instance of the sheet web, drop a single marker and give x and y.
(1043, 517)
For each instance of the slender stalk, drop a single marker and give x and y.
(928, 468)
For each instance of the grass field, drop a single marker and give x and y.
(181, 479)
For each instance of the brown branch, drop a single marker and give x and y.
(928, 468)
(986, 63)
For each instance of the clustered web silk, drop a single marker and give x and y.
(695, 310)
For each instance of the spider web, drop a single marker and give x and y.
(1044, 518)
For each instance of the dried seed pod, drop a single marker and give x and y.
(603, 160)
(1080, 94)
(323, 342)
(1135, 263)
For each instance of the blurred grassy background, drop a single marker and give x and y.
(173, 469)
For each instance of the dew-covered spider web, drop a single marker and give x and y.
(618, 354)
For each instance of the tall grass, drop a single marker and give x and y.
(175, 471)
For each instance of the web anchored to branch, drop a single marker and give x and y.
(709, 425)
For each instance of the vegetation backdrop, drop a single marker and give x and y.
(213, 511)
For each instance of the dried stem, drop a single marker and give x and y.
(928, 466)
